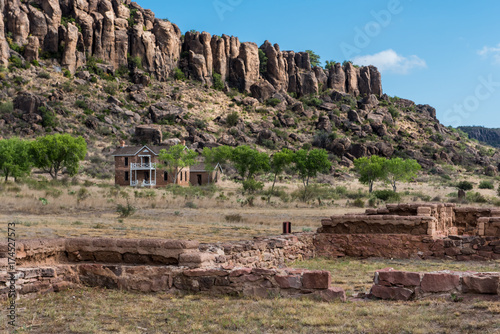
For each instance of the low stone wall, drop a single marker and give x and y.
(268, 252)
(240, 268)
(379, 224)
(401, 246)
(110, 250)
(467, 218)
(400, 285)
(488, 226)
(217, 281)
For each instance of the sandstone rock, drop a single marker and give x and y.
(426, 110)
(69, 56)
(4, 47)
(164, 112)
(332, 294)
(400, 278)
(266, 135)
(340, 146)
(488, 284)
(316, 279)
(262, 90)
(17, 21)
(28, 102)
(31, 50)
(337, 78)
(391, 293)
(150, 134)
(351, 74)
(276, 72)
(353, 116)
(324, 124)
(439, 282)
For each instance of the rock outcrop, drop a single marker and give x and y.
(111, 30)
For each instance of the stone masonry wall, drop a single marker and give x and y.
(401, 246)
(401, 285)
(241, 268)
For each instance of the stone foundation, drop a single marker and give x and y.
(241, 268)
(400, 285)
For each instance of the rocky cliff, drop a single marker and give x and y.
(485, 135)
(118, 31)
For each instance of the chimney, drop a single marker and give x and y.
(122, 143)
(183, 143)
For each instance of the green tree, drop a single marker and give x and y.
(398, 169)
(176, 158)
(262, 61)
(15, 159)
(249, 162)
(308, 164)
(370, 170)
(52, 153)
(314, 58)
(279, 161)
(330, 64)
(216, 155)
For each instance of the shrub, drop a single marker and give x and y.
(44, 75)
(273, 102)
(251, 185)
(234, 218)
(486, 185)
(125, 210)
(6, 107)
(394, 112)
(387, 195)
(190, 205)
(49, 119)
(262, 62)
(218, 83)
(476, 197)
(359, 203)
(111, 88)
(66, 73)
(179, 75)
(82, 195)
(464, 185)
(232, 119)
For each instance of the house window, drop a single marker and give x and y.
(126, 176)
(126, 161)
(165, 176)
(186, 176)
(181, 176)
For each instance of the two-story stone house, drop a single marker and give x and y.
(138, 166)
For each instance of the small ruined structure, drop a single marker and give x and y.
(437, 220)
(201, 174)
(138, 166)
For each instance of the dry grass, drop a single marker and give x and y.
(103, 311)
(160, 214)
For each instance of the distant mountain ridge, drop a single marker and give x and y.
(490, 136)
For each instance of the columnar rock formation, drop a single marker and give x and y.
(115, 30)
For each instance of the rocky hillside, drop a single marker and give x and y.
(482, 134)
(109, 70)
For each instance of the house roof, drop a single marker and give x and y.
(201, 167)
(134, 150)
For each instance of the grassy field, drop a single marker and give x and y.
(106, 311)
(47, 210)
(72, 209)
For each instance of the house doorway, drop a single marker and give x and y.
(199, 179)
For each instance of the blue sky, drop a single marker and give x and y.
(444, 53)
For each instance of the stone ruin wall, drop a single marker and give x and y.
(401, 285)
(242, 268)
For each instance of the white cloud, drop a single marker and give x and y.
(488, 51)
(390, 61)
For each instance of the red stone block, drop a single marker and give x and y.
(487, 284)
(332, 294)
(317, 279)
(240, 272)
(440, 282)
(399, 278)
(391, 293)
(205, 272)
(288, 281)
(261, 271)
